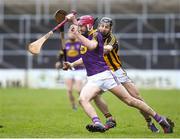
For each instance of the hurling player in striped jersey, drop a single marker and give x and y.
(113, 61)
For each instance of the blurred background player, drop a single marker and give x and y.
(75, 77)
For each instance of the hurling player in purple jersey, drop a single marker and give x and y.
(76, 77)
(100, 78)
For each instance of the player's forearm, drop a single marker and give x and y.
(90, 44)
(77, 62)
(75, 22)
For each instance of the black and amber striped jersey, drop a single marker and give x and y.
(112, 59)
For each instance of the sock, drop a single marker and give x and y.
(74, 107)
(96, 120)
(148, 120)
(108, 115)
(157, 118)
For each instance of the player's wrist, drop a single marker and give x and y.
(72, 65)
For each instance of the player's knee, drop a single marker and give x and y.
(82, 100)
(79, 89)
(135, 103)
(137, 95)
(69, 91)
(140, 98)
(129, 101)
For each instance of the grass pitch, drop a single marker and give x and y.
(47, 113)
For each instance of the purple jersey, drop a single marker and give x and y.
(93, 59)
(73, 52)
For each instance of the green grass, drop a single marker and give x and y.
(47, 113)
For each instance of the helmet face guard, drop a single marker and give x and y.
(106, 20)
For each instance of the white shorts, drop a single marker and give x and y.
(74, 74)
(122, 76)
(104, 80)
